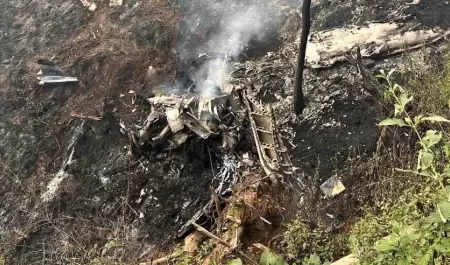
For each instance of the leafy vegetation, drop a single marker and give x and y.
(268, 257)
(417, 230)
(411, 224)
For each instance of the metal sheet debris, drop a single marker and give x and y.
(174, 120)
(326, 48)
(50, 73)
(332, 187)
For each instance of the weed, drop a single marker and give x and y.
(412, 234)
(302, 241)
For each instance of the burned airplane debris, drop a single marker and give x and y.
(50, 73)
(221, 120)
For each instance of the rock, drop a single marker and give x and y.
(92, 7)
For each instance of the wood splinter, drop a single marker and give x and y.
(223, 242)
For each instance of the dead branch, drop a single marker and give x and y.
(223, 242)
(81, 116)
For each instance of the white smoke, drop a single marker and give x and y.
(248, 23)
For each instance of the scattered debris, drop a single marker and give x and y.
(326, 48)
(115, 2)
(271, 150)
(91, 6)
(50, 73)
(221, 241)
(81, 116)
(332, 187)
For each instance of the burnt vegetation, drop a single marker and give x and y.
(178, 144)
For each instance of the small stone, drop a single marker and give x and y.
(92, 7)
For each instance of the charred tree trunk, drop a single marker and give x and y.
(299, 99)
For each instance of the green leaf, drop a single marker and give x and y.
(425, 160)
(435, 218)
(417, 119)
(264, 257)
(272, 259)
(404, 98)
(392, 71)
(398, 108)
(403, 262)
(237, 261)
(447, 150)
(425, 259)
(387, 244)
(444, 208)
(435, 118)
(388, 122)
(313, 259)
(431, 138)
(269, 258)
(281, 261)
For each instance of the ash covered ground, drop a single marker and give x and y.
(103, 193)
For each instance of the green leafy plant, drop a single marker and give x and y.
(268, 257)
(418, 240)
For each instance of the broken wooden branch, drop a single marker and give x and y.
(223, 242)
(81, 116)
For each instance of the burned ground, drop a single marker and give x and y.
(143, 202)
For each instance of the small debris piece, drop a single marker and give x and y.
(173, 118)
(92, 7)
(81, 116)
(85, 3)
(329, 47)
(162, 135)
(170, 101)
(194, 125)
(246, 159)
(332, 187)
(50, 73)
(151, 72)
(414, 2)
(176, 140)
(115, 2)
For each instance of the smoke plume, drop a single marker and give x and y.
(227, 28)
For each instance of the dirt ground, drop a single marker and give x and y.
(141, 203)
